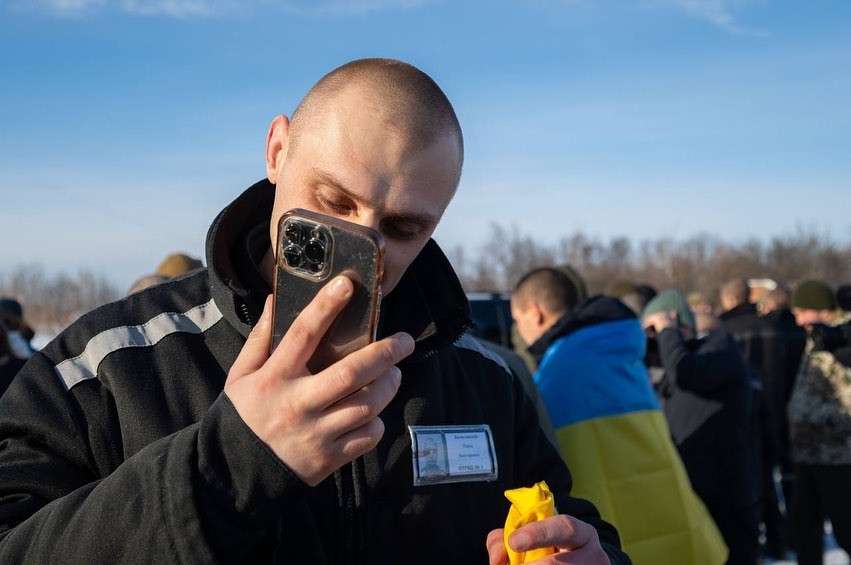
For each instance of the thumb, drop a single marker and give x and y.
(255, 351)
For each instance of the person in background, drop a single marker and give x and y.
(9, 363)
(741, 320)
(178, 264)
(173, 266)
(18, 333)
(758, 288)
(517, 343)
(705, 319)
(784, 347)
(144, 282)
(820, 431)
(608, 422)
(843, 298)
(755, 338)
(705, 395)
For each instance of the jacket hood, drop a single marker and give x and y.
(428, 303)
(595, 311)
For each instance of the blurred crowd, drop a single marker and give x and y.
(752, 392)
(717, 428)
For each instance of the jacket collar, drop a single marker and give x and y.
(748, 309)
(428, 303)
(596, 310)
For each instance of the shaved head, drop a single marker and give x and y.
(550, 288)
(374, 142)
(734, 293)
(397, 95)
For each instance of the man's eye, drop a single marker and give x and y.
(338, 207)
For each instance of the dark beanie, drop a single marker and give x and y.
(813, 295)
(843, 297)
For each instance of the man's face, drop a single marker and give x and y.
(806, 317)
(528, 319)
(352, 164)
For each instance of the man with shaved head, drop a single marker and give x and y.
(160, 428)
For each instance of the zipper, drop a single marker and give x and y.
(348, 550)
(245, 315)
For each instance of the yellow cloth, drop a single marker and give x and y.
(528, 505)
(628, 467)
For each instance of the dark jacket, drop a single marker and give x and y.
(748, 330)
(119, 446)
(784, 348)
(9, 367)
(753, 336)
(705, 396)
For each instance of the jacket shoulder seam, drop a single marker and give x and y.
(196, 320)
(470, 343)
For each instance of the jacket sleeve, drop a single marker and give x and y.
(171, 502)
(700, 372)
(540, 459)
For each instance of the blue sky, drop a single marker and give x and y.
(125, 125)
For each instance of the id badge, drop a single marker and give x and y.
(453, 454)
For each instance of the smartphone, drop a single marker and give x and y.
(311, 250)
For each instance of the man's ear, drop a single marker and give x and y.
(540, 315)
(277, 144)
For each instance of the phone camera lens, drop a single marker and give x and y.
(295, 233)
(293, 255)
(315, 251)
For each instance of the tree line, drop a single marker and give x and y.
(700, 263)
(52, 301)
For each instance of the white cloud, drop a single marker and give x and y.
(64, 7)
(201, 8)
(717, 12)
(345, 7)
(174, 8)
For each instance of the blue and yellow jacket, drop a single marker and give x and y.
(609, 426)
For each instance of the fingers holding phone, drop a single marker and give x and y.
(315, 423)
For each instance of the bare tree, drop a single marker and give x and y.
(703, 262)
(51, 302)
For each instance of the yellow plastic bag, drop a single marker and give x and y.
(528, 505)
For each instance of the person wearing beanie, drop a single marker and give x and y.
(177, 264)
(820, 430)
(705, 393)
(608, 421)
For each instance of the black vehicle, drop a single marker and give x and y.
(491, 313)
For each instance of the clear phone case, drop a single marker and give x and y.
(311, 250)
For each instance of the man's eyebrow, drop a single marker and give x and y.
(329, 179)
(326, 177)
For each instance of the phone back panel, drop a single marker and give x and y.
(351, 250)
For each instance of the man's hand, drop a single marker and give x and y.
(315, 423)
(660, 321)
(576, 541)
